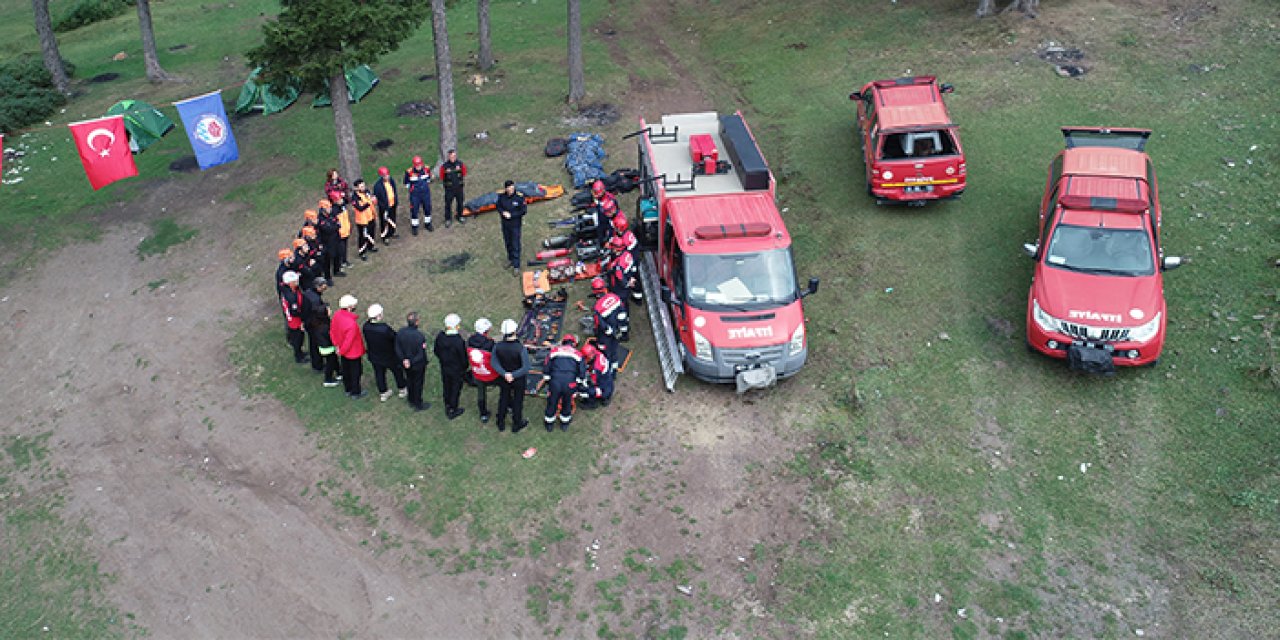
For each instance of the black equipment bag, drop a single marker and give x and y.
(1090, 360)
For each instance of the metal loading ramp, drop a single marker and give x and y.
(660, 320)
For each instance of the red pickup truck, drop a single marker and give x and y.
(911, 148)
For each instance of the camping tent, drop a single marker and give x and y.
(254, 95)
(360, 82)
(144, 123)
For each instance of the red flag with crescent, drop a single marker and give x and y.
(104, 150)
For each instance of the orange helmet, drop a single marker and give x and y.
(597, 285)
(285, 254)
(310, 214)
(569, 338)
(384, 172)
(299, 243)
(323, 203)
(597, 188)
(589, 350)
(308, 232)
(620, 223)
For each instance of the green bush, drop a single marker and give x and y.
(86, 12)
(27, 94)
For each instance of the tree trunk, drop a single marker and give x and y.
(155, 73)
(486, 44)
(444, 78)
(986, 8)
(577, 84)
(49, 46)
(1028, 7)
(344, 128)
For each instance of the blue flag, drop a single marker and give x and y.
(206, 122)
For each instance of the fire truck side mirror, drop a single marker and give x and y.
(1172, 262)
(665, 294)
(1032, 250)
(813, 288)
(856, 95)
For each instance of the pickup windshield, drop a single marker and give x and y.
(1123, 252)
(740, 282)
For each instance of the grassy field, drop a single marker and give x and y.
(959, 485)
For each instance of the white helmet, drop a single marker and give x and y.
(375, 310)
(452, 321)
(347, 302)
(290, 277)
(483, 325)
(508, 327)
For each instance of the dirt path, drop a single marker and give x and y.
(197, 497)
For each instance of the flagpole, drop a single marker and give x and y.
(203, 95)
(72, 124)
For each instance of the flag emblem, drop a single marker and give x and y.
(211, 130)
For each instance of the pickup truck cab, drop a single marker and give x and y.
(910, 146)
(1097, 292)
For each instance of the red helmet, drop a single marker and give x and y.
(569, 338)
(417, 161)
(597, 285)
(620, 223)
(589, 350)
(597, 188)
(384, 172)
(617, 243)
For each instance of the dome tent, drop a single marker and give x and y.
(145, 123)
(255, 95)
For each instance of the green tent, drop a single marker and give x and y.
(360, 82)
(254, 95)
(144, 123)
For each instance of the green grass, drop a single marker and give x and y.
(51, 582)
(903, 493)
(165, 233)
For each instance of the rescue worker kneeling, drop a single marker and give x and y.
(600, 376)
(564, 373)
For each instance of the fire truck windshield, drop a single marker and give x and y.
(1122, 252)
(739, 282)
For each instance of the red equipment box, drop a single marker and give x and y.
(702, 149)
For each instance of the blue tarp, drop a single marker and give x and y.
(585, 160)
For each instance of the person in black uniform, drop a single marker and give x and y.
(451, 351)
(315, 319)
(563, 373)
(385, 192)
(452, 174)
(380, 346)
(411, 349)
(513, 207)
(511, 362)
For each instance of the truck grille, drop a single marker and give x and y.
(1093, 333)
(754, 355)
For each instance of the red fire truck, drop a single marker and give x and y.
(910, 146)
(1097, 295)
(718, 274)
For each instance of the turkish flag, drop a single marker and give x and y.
(104, 150)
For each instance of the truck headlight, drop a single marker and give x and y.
(797, 340)
(1146, 331)
(702, 347)
(1042, 318)
(886, 174)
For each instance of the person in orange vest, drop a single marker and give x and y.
(343, 214)
(385, 192)
(417, 179)
(366, 208)
(480, 354)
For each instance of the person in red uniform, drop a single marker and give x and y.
(563, 373)
(385, 192)
(452, 174)
(417, 179)
(610, 315)
(480, 354)
(344, 330)
(291, 303)
(600, 376)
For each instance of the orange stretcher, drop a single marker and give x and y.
(553, 191)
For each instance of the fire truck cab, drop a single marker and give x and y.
(721, 283)
(910, 146)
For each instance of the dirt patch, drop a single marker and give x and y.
(415, 109)
(600, 114)
(454, 262)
